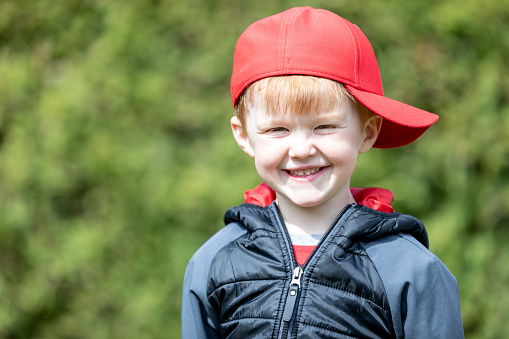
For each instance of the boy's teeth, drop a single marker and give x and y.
(303, 172)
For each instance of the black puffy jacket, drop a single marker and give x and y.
(258, 291)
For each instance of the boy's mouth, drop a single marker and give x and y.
(304, 172)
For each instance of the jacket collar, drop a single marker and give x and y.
(372, 218)
(379, 199)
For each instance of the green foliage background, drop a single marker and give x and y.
(116, 160)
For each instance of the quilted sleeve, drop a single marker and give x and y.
(423, 294)
(198, 319)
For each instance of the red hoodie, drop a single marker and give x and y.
(379, 199)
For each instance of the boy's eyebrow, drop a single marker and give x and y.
(271, 121)
(337, 113)
(278, 118)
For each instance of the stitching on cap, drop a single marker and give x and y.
(291, 23)
(360, 57)
(283, 34)
(356, 64)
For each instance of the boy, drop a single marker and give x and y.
(306, 256)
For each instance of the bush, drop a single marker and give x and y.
(116, 160)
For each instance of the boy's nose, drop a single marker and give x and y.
(301, 147)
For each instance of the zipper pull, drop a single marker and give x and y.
(292, 294)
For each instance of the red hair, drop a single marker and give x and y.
(296, 95)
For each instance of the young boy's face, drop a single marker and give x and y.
(307, 159)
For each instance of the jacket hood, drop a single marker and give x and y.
(361, 224)
(379, 199)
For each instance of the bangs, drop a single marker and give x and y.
(295, 95)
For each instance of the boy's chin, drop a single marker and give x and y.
(314, 199)
(303, 202)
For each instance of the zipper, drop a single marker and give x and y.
(294, 289)
(292, 294)
(327, 233)
(291, 301)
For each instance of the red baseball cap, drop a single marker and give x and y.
(316, 42)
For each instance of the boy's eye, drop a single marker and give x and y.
(325, 127)
(277, 129)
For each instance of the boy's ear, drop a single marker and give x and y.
(371, 130)
(241, 137)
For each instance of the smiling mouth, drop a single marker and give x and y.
(304, 172)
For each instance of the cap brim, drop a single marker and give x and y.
(402, 123)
